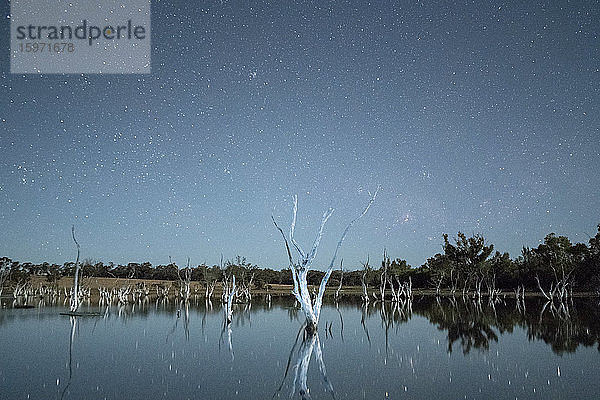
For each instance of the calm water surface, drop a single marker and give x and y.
(428, 349)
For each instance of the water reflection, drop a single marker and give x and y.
(466, 321)
(227, 329)
(310, 344)
(472, 324)
(565, 327)
(73, 321)
(425, 348)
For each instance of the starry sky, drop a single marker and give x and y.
(473, 116)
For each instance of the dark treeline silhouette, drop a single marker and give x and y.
(467, 264)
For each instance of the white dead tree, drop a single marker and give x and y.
(75, 290)
(337, 292)
(383, 278)
(229, 303)
(225, 287)
(162, 291)
(437, 280)
(209, 282)
(210, 288)
(4, 274)
(551, 292)
(244, 293)
(185, 282)
(19, 290)
(562, 281)
(363, 281)
(312, 309)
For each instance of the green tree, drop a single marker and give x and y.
(467, 257)
(53, 273)
(556, 260)
(400, 268)
(588, 275)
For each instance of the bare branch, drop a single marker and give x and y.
(330, 269)
(300, 270)
(75, 292)
(313, 252)
(293, 227)
(287, 246)
(350, 225)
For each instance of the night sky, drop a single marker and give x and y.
(480, 117)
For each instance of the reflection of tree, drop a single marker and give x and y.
(4, 273)
(466, 321)
(310, 344)
(471, 334)
(227, 328)
(392, 314)
(73, 321)
(207, 306)
(364, 314)
(475, 325)
(337, 307)
(565, 327)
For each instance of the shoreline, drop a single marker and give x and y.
(198, 288)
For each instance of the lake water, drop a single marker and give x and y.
(424, 350)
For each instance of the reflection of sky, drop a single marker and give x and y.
(478, 117)
(140, 355)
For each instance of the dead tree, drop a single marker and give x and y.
(19, 290)
(225, 287)
(395, 293)
(162, 291)
(383, 278)
(185, 282)
(75, 290)
(210, 288)
(437, 280)
(337, 292)
(124, 291)
(520, 298)
(312, 309)
(363, 281)
(551, 292)
(244, 292)
(4, 274)
(229, 303)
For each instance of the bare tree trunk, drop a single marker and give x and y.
(229, 304)
(383, 278)
(365, 295)
(75, 291)
(337, 292)
(210, 288)
(4, 274)
(300, 270)
(438, 284)
(185, 283)
(550, 294)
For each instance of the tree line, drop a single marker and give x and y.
(466, 264)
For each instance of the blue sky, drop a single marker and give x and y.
(479, 117)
